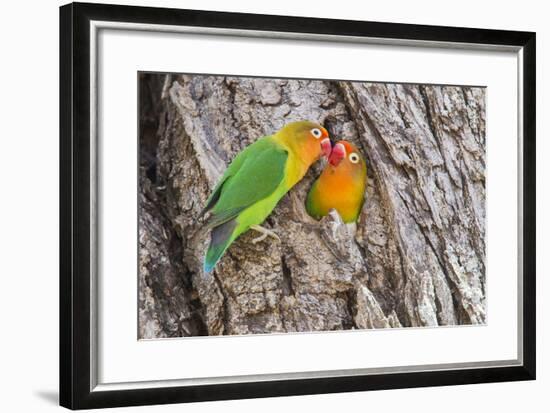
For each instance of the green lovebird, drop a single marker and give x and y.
(256, 180)
(341, 185)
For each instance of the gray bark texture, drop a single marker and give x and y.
(416, 257)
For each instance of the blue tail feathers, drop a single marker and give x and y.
(208, 267)
(220, 239)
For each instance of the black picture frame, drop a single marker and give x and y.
(75, 223)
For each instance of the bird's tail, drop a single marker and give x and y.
(221, 238)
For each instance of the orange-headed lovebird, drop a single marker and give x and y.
(341, 185)
(257, 179)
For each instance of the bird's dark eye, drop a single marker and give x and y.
(353, 157)
(316, 132)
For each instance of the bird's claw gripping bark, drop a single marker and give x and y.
(265, 232)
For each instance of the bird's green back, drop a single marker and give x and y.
(253, 175)
(247, 186)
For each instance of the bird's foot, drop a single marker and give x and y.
(335, 223)
(265, 232)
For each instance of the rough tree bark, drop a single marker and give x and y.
(415, 258)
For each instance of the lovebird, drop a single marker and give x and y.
(256, 180)
(340, 186)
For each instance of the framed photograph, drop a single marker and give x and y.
(258, 205)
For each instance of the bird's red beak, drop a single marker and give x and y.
(326, 147)
(338, 153)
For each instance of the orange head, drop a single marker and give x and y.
(345, 159)
(308, 140)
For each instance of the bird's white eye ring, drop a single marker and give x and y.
(353, 157)
(316, 132)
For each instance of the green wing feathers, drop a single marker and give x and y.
(254, 174)
(231, 170)
(311, 205)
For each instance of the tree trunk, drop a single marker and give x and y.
(416, 257)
